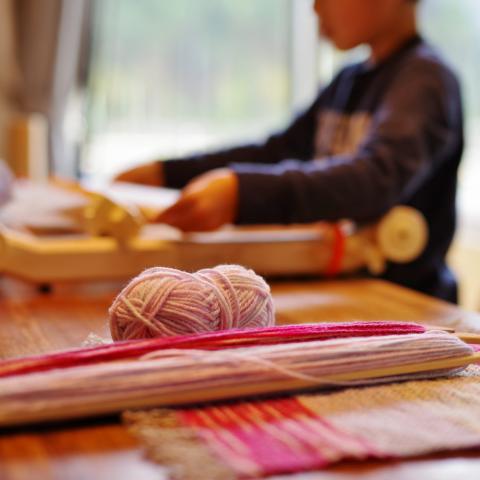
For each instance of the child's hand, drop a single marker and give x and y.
(148, 174)
(206, 203)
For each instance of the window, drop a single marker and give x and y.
(169, 77)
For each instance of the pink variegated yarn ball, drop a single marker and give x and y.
(163, 302)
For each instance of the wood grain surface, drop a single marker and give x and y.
(32, 323)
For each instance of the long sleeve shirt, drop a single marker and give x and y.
(375, 137)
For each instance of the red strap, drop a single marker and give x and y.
(338, 251)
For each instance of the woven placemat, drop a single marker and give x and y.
(309, 432)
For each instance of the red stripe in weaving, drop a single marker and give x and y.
(277, 436)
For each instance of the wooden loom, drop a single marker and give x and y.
(112, 240)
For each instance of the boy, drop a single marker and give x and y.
(386, 131)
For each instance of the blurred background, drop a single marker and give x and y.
(121, 82)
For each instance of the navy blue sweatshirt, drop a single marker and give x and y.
(375, 137)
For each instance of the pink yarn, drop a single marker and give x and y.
(234, 338)
(163, 302)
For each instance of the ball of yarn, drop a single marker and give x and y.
(164, 302)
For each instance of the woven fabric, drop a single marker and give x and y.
(309, 432)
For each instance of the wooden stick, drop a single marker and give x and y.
(438, 327)
(473, 338)
(467, 337)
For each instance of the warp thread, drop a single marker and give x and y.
(206, 341)
(166, 302)
(179, 377)
(373, 353)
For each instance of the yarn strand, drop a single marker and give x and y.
(186, 376)
(206, 341)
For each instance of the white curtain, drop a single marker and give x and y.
(51, 34)
(40, 51)
(9, 72)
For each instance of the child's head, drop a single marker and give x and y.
(349, 23)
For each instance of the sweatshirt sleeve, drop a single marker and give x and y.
(414, 129)
(296, 141)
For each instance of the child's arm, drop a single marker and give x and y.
(416, 128)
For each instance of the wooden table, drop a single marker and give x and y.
(32, 323)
